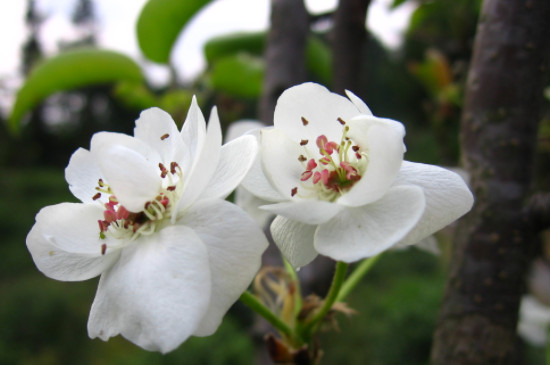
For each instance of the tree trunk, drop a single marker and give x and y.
(349, 38)
(285, 53)
(477, 323)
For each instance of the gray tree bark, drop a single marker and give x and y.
(477, 323)
(284, 54)
(349, 37)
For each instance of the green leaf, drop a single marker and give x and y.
(159, 24)
(319, 59)
(396, 3)
(226, 45)
(240, 75)
(70, 70)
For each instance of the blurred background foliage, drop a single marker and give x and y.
(420, 84)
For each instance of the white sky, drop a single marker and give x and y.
(117, 19)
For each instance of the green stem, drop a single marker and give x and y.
(328, 302)
(355, 277)
(257, 306)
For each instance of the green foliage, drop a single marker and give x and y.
(227, 45)
(319, 60)
(239, 75)
(70, 70)
(159, 24)
(397, 306)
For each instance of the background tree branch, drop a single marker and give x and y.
(493, 244)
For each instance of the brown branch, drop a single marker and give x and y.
(477, 323)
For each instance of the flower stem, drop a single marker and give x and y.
(337, 280)
(355, 277)
(257, 306)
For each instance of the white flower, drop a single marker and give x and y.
(173, 255)
(339, 185)
(534, 319)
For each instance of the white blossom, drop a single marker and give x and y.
(335, 177)
(173, 255)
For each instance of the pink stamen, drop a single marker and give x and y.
(321, 141)
(122, 213)
(306, 175)
(311, 164)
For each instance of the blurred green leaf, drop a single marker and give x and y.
(70, 70)
(135, 95)
(319, 59)
(396, 3)
(226, 45)
(159, 24)
(240, 75)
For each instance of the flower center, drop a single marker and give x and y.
(333, 170)
(120, 223)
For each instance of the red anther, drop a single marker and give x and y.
(303, 142)
(304, 121)
(322, 141)
(162, 167)
(122, 213)
(165, 201)
(302, 158)
(97, 196)
(306, 175)
(113, 201)
(351, 172)
(164, 136)
(171, 188)
(103, 225)
(358, 155)
(325, 160)
(110, 216)
(355, 148)
(330, 147)
(341, 121)
(294, 191)
(163, 174)
(311, 164)
(173, 166)
(316, 177)
(325, 177)
(103, 248)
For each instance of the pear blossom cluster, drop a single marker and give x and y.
(173, 254)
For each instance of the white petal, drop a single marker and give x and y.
(359, 104)
(193, 132)
(157, 293)
(236, 158)
(294, 240)
(251, 204)
(319, 106)
(306, 211)
(242, 127)
(366, 231)
(235, 246)
(205, 163)
(382, 140)
(447, 197)
(83, 175)
(157, 129)
(256, 181)
(103, 140)
(280, 162)
(133, 179)
(65, 245)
